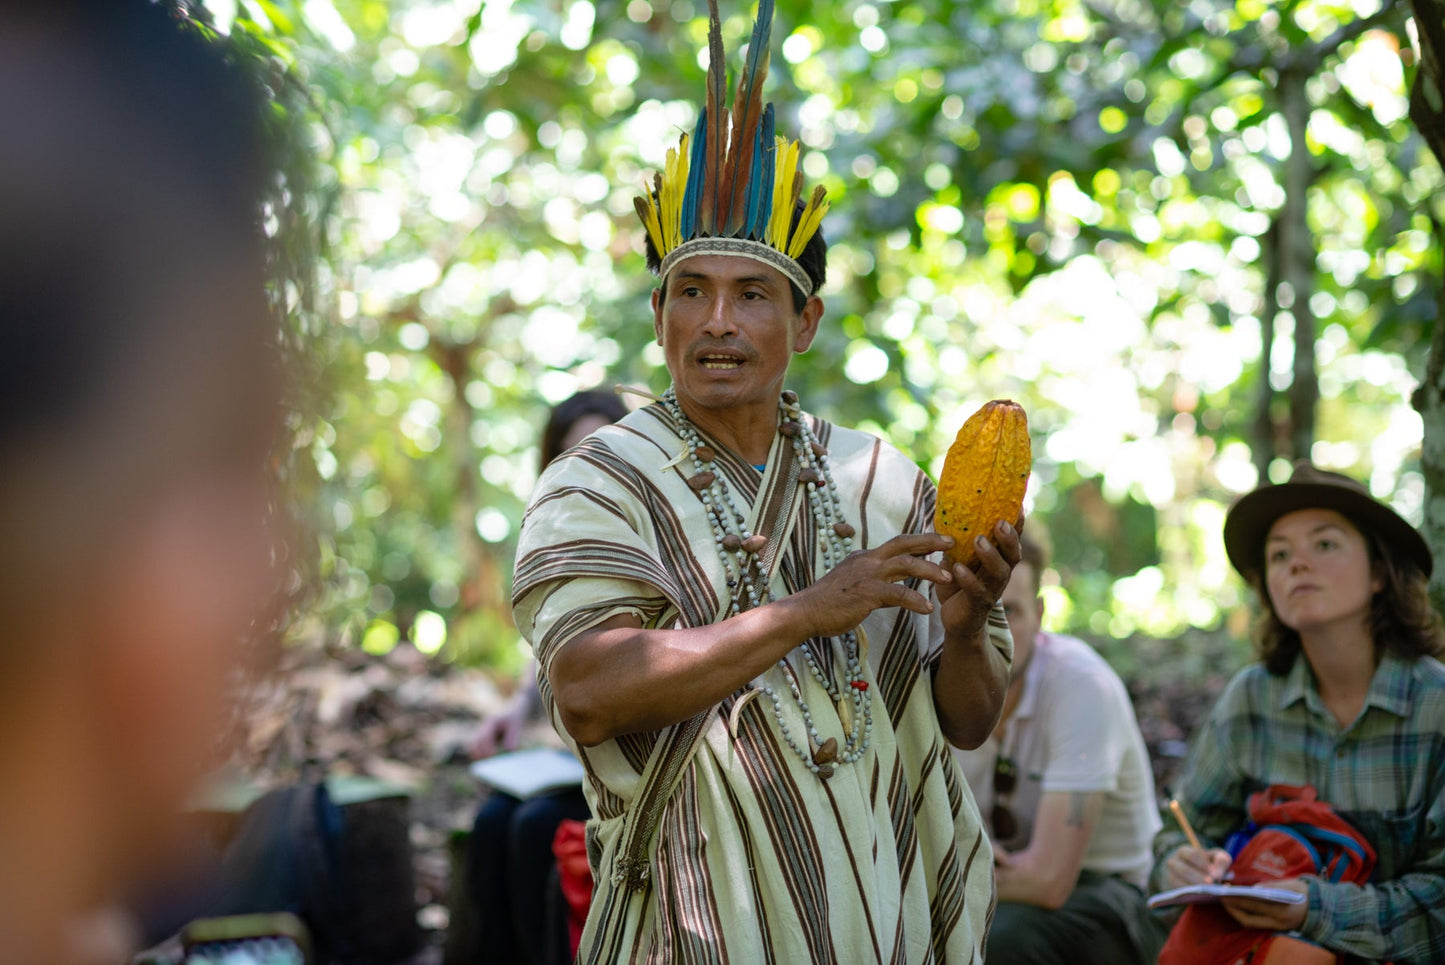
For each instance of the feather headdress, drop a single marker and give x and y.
(732, 188)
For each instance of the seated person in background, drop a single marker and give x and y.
(1349, 697)
(510, 850)
(1066, 778)
(138, 413)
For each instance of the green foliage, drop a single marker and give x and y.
(1064, 203)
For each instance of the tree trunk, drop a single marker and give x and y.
(1427, 110)
(1430, 400)
(1266, 432)
(1297, 250)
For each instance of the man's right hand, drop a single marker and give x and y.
(1195, 866)
(869, 580)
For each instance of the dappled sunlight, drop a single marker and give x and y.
(1033, 200)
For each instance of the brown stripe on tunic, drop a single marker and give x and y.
(900, 816)
(687, 908)
(794, 839)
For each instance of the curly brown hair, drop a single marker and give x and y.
(1402, 620)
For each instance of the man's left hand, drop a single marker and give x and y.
(967, 600)
(1270, 915)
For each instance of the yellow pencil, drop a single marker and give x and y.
(1184, 823)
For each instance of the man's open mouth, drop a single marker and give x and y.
(720, 362)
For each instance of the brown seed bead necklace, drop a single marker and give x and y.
(741, 554)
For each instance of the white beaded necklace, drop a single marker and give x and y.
(742, 560)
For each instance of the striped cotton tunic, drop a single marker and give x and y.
(754, 858)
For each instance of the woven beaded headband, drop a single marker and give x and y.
(733, 192)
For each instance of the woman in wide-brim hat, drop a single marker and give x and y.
(1349, 697)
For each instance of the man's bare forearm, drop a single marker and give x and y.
(622, 679)
(1045, 873)
(969, 684)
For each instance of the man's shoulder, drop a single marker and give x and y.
(845, 443)
(841, 437)
(1077, 676)
(1069, 657)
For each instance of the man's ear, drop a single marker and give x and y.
(657, 313)
(808, 320)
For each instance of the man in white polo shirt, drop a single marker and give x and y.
(1066, 785)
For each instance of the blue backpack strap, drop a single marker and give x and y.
(1303, 840)
(1337, 845)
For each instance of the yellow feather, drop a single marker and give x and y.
(673, 187)
(809, 222)
(650, 220)
(785, 170)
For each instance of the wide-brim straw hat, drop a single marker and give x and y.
(1249, 520)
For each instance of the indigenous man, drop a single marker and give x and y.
(737, 623)
(1066, 780)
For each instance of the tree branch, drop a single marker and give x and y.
(1314, 57)
(1427, 93)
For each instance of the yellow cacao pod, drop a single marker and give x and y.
(984, 476)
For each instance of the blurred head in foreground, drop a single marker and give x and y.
(138, 402)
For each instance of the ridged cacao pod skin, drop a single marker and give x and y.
(984, 476)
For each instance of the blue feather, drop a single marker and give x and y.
(696, 171)
(760, 183)
(748, 108)
(762, 37)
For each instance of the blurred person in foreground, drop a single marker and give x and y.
(1348, 696)
(137, 407)
(510, 857)
(1065, 779)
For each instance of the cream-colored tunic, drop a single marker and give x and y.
(756, 859)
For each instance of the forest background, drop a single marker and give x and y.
(1195, 239)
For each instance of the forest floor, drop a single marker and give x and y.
(405, 721)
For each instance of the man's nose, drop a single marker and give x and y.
(719, 322)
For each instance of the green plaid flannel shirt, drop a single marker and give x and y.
(1385, 774)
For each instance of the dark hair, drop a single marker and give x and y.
(1035, 556)
(813, 261)
(1401, 620)
(565, 414)
(143, 147)
(132, 271)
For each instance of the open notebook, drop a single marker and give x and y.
(526, 774)
(1191, 894)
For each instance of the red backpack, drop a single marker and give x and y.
(1297, 834)
(569, 845)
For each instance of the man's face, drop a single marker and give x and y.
(1025, 612)
(728, 330)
